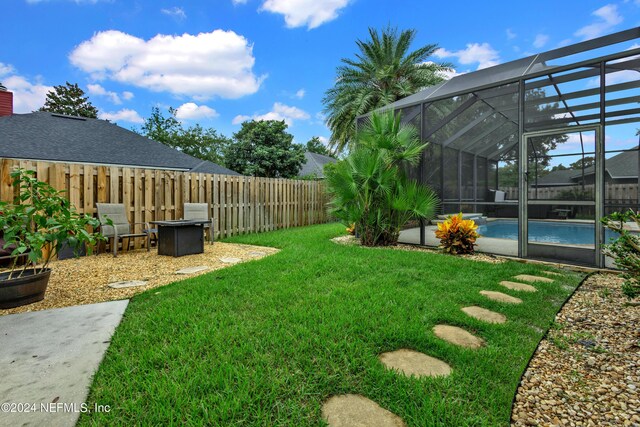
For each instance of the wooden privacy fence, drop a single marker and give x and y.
(613, 193)
(239, 204)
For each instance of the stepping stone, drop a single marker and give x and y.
(353, 410)
(257, 253)
(230, 260)
(413, 363)
(458, 336)
(127, 284)
(530, 278)
(518, 286)
(192, 270)
(484, 314)
(553, 273)
(500, 297)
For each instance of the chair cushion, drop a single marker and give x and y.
(196, 211)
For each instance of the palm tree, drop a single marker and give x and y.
(383, 72)
(370, 188)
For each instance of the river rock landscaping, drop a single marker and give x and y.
(86, 280)
(586, 372)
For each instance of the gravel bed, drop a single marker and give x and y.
(353, 241)
(84, 280)
(586, 372)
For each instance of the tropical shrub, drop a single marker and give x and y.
(625, 250)
(370, 189)
(457, 235)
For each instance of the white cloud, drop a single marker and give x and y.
(540, 41)
(98, 90)
(312, 13)
(451, 74)
(300, 93)
(218, 63)
(448, 75)
(191, 110)
(236, 2)
(126, 95)
(278, 112)
(27, 96)
(608, 17)
(175, 12)
(239, 119)
(510, 34)
(124, 115)
(481, 53)
(324, 140)
(6, 69)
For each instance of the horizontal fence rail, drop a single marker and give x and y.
(613, 193)
(239, 204)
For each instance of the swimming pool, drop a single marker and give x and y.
(568, 233)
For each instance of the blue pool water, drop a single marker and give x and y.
(568, 233)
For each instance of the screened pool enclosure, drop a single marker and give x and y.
(537, 150)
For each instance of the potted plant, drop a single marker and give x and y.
(35, 226)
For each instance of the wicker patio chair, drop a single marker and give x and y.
(116, 227)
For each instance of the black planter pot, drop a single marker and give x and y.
(23, 290)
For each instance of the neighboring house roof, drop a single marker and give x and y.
(620, 166)
(623, 165)
(314, 164)
(553, 178)
(56, 137)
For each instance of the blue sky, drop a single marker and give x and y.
(223, 61)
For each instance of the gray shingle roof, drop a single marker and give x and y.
(54, 137)
(314, 164)
(558, 177)
(623, 165)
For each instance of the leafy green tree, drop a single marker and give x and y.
(69, 99)
(585, 162)
(383, 71)
(264, 148)
(205, 144)
(161, 128)
(539, 148)
(314, 145)
(559, 167)
(370, 187)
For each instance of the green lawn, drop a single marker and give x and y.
(266, 342)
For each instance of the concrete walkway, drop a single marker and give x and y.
(48, 358)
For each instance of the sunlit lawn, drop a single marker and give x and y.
(266, 342)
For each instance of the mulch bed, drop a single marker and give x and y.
(586, 372)
(84, 280)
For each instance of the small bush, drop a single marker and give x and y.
(457, 235)
(625, 250)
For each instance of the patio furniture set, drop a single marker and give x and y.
(175, 238)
